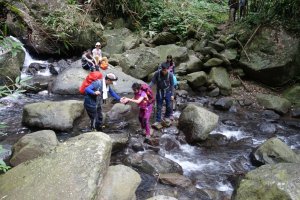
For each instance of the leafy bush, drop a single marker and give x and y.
(7, 44)
(3, 166)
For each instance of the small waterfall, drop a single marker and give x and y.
(28, 60)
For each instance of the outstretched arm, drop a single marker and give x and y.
(114, 94)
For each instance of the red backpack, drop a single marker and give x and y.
(95, 75)
(151, 99)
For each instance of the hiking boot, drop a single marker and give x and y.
(157, 125)
(167, 122)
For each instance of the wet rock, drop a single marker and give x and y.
(38, 83)
(214, 93)
(5, 152)
(214, 140)
(224, 103)
(292, 123)
(274, 151)
(267, 128)
(197, 123)
(240, 165)
(175, 179)
(270, 115)
(278, 104)
(52, 69)
(153, 164)
(229, 123)
(119, 183)
(33, 145)
(247, 102)
(136, 144)
(270, 182)
(169, 142)
(119, 141)
(296, 113)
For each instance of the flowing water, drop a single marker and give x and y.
(210, 165)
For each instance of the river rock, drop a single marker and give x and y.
(196, 79)
(194, 64)
(119, 141)
(120, 183)
(164, 38)
(279, 181)
(293, 94)
(275, 151)
(231, 43)
(169, 142)
(220, 77)
(213, 62)
(216, 45)
(75, 170)
(224, 103)
(153, 164)
(197, 122)
(33, 145)
(296, 113)
(271, 62)
(270, 115)
(175, 180)
(230, 54)
(278, 104)
(58, 115)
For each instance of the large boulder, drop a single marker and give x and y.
(69, 81)
(220, 77)
(272, 54)
(142, 61)
(11, 62)
(164, 38)
(275, 151)
(52, 26)
(118, 40)
(197, 122)
(33, 145)
(197, 79)
(119, 183)
(279, 181)
(75, 170)
(271, 102)
(194, 64)
(293, 94)
(58, 115)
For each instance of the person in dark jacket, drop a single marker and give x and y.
(233, 8)
(164, 92)
(95, 93)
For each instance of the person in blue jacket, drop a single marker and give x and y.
(95, 93)
(164, 81)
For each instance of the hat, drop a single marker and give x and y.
(112, 77)
(164, 66)
(98, 44)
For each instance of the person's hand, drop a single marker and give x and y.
(172, 98)
(97, 92)
(124, 100)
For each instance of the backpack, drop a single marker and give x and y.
(89, 79)
(151, 98)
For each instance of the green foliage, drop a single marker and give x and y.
(284, 12)
(3, 166)
(72, 2)
(16, 87)
(178, 16)
(8, 44)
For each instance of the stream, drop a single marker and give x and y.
(211, 165)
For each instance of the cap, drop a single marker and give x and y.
(164, 66)
(98, 44)
(112, 77)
